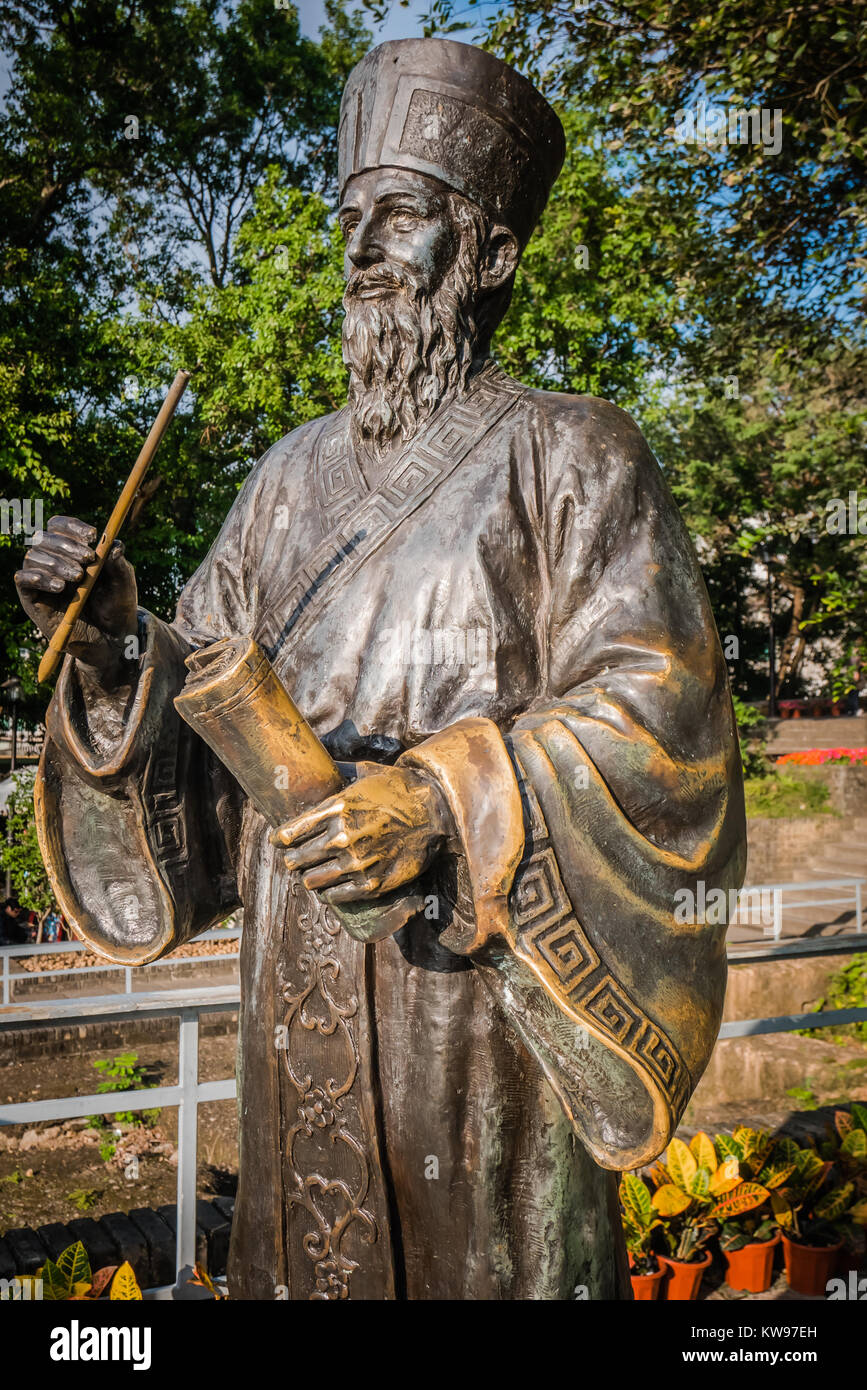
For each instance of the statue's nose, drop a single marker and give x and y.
(363, 248)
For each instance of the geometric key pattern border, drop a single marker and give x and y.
(549, 934)
(356, 520)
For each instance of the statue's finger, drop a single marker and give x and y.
(352, 890)
(50, 563)
(324, 875)
(72, 527)
(36, 579)
(310, 852)
(302, 827)
(56, 543)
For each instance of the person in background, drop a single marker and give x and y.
(52, 926)
(29, 922)
(10, 923)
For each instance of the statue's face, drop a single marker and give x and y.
(399, 217)
(419, 258)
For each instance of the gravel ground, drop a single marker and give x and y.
(77, 960)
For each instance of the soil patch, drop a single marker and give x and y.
(55, 1172)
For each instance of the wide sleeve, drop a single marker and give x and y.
(138, 821)
(585, 826)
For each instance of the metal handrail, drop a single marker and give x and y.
(776, 891)
(188, 1093)
(17, 952)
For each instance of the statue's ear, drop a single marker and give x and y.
(499, 258)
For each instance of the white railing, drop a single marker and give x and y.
(27, 745)
(8, 954)
(188, 1094)
(762, 906)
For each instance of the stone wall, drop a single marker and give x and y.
(779, 849)
(776, 848)
(847, 784)
(762, 989)
(758, 1071)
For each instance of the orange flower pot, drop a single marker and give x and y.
(646, 1286)
(850, 1260)
(752, 1267)
(809, 1267)
(683, 1278)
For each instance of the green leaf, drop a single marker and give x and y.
(855, 1144)
(55, 1285)
(859, 1115)
(702, 1149)
(700, 1183)
(74, 1265)
(636, 1198)
(834, 1203)
(727, 1145)
(681, 1164)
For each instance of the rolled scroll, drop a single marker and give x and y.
(234, 701)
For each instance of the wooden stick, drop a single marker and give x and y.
(57, 645)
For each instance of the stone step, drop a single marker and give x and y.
(761, 1069)
(144, 1237)
(795, 735)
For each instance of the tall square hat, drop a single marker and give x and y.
(458, 114)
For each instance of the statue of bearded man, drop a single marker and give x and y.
(486, 605)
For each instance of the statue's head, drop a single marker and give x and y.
(447, 157)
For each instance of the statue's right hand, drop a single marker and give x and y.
(54, 567)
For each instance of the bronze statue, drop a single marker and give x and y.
(467, 1002)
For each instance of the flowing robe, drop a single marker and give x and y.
(516, 611)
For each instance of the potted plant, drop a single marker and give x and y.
(748, 1245)
(694, 1189)
(810, 1209)
(749, 1234)
(640, 1220)
(846, 1147)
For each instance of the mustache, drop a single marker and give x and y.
(383, 276)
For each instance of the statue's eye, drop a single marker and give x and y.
(348, 226)
(403, 219)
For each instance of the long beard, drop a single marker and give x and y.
(407, 351)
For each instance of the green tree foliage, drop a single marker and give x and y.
(134, 140)
(268, 341)
(721, 301)
(800, 213)
(19, 849)
(167, 198)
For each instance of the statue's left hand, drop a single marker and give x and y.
(375, 835)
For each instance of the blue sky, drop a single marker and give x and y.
(402, 23)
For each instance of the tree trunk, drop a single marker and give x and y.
(794, 643)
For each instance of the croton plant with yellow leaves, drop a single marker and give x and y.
(824, 1196)
(698, 1186)
(702, 1185)
(744, 1186)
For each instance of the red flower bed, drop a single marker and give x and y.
(815, 757)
